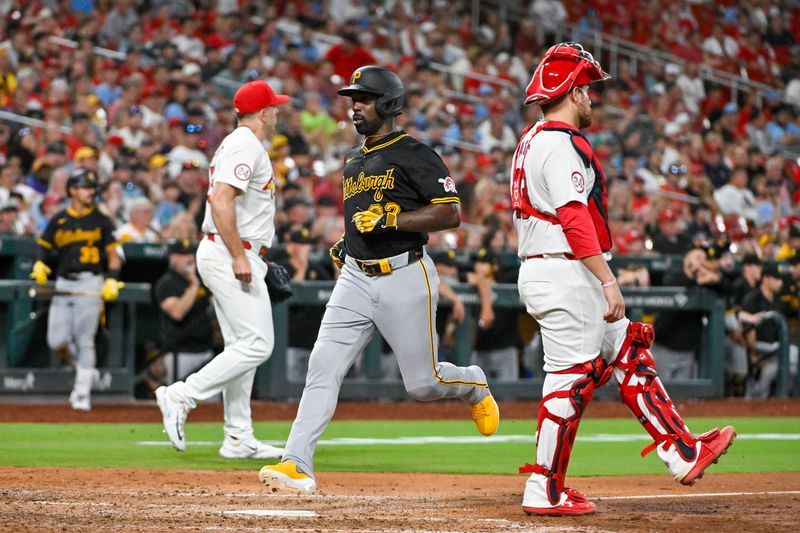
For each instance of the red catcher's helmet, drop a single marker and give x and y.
(564, 66)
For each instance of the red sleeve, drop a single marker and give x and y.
(579, 229)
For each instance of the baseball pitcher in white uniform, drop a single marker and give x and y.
(559, 208)
(238, 228)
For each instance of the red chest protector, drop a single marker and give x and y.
(598, 206)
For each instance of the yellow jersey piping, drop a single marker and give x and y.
(73, 214)
(431, 337)
(384, 145)
(447, 200)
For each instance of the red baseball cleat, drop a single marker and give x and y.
(713, 444)
(575, 504)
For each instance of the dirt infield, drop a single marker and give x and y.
(63, 499)
(50, 499)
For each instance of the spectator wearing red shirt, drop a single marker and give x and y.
(527, 38)
(297, 67)
(639, 199)
(715, 100)
(331, 187)
(690, 48)
(349, 55)
(82, 134)
(756, 56)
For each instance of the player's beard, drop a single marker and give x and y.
(584, 117)
(368, 127)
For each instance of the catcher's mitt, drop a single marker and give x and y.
(279, 283)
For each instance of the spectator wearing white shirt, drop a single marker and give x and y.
(9, 219)
(187, 41)
(720, 46)
(132, 134)
(344, 10)
(735, 197)
(494, 132)
(692, 88)
(152, 105)
(186, 149)
(108, 154)
(119, 21)
(139, 226)
(550, 15)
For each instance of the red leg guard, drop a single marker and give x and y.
(579, 397)
(641, 334)
(643, 393)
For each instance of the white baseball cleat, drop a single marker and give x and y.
(174, 415)
(80, 402)
(286, 477)
(233, 448)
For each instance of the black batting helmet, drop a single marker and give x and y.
(373, 79)
(83, 178)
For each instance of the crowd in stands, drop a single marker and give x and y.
(688, 162)
(685, 161)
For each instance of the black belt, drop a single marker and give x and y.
(383, 267)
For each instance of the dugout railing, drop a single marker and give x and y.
(370, 385)
(25, 324)
(27, 367)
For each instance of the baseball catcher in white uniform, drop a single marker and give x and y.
(559, 200)
(238, 227)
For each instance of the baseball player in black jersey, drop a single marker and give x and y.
(80, 241)
(396, 190)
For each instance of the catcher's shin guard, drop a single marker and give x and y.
(643, 393)
(555, 434)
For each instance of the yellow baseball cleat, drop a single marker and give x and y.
(286, 477)
(486, 415)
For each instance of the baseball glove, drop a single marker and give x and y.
(279, 283)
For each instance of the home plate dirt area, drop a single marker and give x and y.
(63, 499)
(70, 499)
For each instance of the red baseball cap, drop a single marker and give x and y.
(497, 108)
(115, 139)
(484, 160)
(668, 215)
(254, 96)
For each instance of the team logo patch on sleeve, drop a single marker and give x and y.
(578, 182)
(448, 183)
(242, 172)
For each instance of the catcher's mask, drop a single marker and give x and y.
(564, 66)
(380, 81)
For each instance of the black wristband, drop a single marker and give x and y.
(112, 274)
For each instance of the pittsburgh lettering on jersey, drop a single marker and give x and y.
(69, 236)
(353, 186)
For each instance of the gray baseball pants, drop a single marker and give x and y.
(402, 307)
(73, 320)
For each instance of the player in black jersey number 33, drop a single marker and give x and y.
(396, 190)
(81, 242)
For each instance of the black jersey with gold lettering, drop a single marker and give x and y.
(396, 174)
(79, 242)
